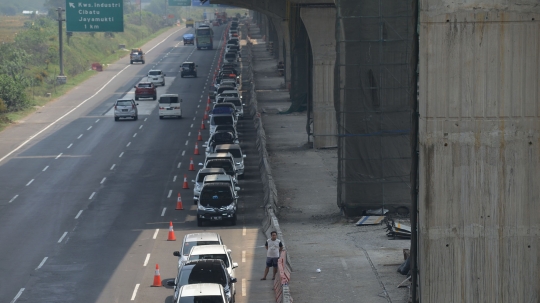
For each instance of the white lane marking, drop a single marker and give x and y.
(243, 256)
(129, 143)
(189, 134)
(183, 153)
(140, 127)
(42, 262)
(344, 264)
(134, 135)
(30, 182)
(191, 125)
(199, 105)
(135, 292)
(17, 296)
(146, 260)
(69, 146)
(174, 179)
(97, 121)
(179, 163)
(103, 180)
(79, 136)
(13, 199)
(194, 118)
(112, 167)
(63, 116)
(45, 168)
(163, 212)
(155, 234)
(202, 95)
(79, 214)
(145, 119)
(89, 128)
(187, 142)
(92, 195)
(170, 193)
(62, 237)
(196, 112)
(60, 155)
(121, 154)
(244, 231)
(244, 287)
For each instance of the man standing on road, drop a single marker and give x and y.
(273, 249)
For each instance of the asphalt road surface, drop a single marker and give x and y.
(85, 202)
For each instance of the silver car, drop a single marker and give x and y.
(200, 178)
(236, 152)
(196, 239)
(125, 108)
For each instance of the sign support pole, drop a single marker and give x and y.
(61, 79)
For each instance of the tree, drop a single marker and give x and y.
(54, 4)
(12, 93)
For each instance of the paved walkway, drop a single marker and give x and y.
(358, 264)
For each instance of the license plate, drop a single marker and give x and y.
(169, 108)
(124, 110)
(216, 218)
(155, 78)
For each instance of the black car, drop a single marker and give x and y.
(217, 202)
(204, 271)
(188, 69)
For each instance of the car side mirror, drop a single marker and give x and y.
(233, 280)
(229, 251)
(204, 145)
(135, 86)
(234, 265)
(243, 156)
(176, 254)
(193, 181)
(237, 188)
(196, 198)
(171, 283)
(137, 103)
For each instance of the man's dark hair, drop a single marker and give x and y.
(273, 232)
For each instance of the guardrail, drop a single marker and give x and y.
(270, 223)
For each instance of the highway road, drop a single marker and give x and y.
(85, 201)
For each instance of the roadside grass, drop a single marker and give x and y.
(10, 26)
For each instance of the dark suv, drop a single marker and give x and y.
(188, 69)
(217, 202)
(204, 271)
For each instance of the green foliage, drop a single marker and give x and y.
(12, 93)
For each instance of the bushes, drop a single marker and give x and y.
(12, 94)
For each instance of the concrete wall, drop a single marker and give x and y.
(320, 25)
(479, 208)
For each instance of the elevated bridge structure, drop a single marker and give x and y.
(434, 102)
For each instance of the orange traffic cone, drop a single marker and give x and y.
(196, 149)
(171, 236)
(185, 185)
(157, 276)
(207, 107)
(179, 205)
(202, 125)
(209, 98)
(191, 166)
(205, 115)
(199, 137)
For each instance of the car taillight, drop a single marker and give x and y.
(161, 107)
(115, 107)
(132, 106)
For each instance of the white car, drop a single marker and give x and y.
(170, 106)
(214, 252)
(199, 179)
(227, 94)
(236, 152)
(156, 76)
(202, 292)
(196, 239)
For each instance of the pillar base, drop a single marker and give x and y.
(61, 79)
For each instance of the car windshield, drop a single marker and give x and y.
(234, 152)
(154, 73)
(227, 120)
(189, 245)
(194, 274)
(229, 95)
(124, 103)
(171, 99)
(203, 32)
(228, 128)
(236, 102)
(201, 299)
(226, 165)
(186, 65)
(229, 55)
(222, 257)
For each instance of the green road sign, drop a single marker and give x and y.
(95, 15)
(179, 2)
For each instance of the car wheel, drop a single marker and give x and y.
(199, 222)
(143, 62)
(181, 75)
(116, 118)
(136, 118)
(195, 75)
(161, 117)
(136, 98)
(154, 97)
(163, 84)
(130, 62)
(233, 221)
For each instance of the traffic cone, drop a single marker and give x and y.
(179, 205)
(157, 276)
(196, 149)
(199, 137)
(171, 236)
(202, 125)
(205, 115)
(207, 107)
(191, 166)
(208, 102)
(185, 185)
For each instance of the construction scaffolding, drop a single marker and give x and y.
(375, 95)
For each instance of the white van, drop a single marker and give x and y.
(170, 106)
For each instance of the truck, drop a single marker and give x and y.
(221, 17)
(189, 23)
(136, 55)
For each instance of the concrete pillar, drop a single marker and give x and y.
(287, 55)
(320, 25)
(279, 39)
(479, 140)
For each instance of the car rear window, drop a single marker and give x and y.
(154, 73)
(124, 103)
(201, 299)
(187, 65)
(227, 120)
(145, 85)
(189, 245)
(229, 55)
(222, 257)
(202, 273)
(234, 152)
(202, 175)
(226, 165)
(168, 99)
(236, 102)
